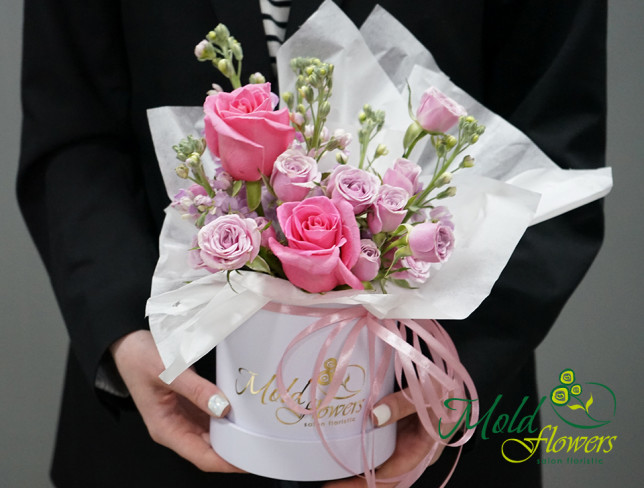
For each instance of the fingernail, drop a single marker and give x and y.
(380, 415)
(217, 404)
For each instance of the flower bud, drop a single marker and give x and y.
(324, 109)
(413, 131)
(288, 99)
(221, 33)
(341, 158)
(381, 150)
(236, 49)
(193, 160)
(468, 162)
(307, 93)
(437, 112)
(204, 51)
(257, 78)
(183, 171)
(449, 192)
(226, 67)
(296, 118)
(450, 141)
(444, 179)
(215, 89)
(368, 264)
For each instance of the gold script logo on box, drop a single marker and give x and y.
(345, 405)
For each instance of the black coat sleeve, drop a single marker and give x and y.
(79, 183)
(545, 72)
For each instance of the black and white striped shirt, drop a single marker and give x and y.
(274, 16)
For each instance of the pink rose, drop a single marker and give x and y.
(431, 242)
(323, 244)
(368, 263)
(442, 215)
(388, 211)
(353, 185)
(437, 112)
(405, 175)
(294, 175)
(244, 131)
(416, 271)
(228, 242)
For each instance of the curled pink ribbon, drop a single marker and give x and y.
(429, 381)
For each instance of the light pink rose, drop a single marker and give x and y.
(417, 271)
(431, 242)
(388, 211)
(404, 174)
(442, 215)
(437, 112)
(323, 242)
(228, 242)
(353, 185)
(368, 263)
(267, 231)
(294, 175)
(244, 131)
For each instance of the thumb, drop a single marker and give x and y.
(202, 393)
(391, 408)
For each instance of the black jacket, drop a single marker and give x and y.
(92, 195)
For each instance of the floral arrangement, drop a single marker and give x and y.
(326, 220)
(271, 208)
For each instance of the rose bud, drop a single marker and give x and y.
(437, 112)
(404, 174)
(431, 242)
(368, 263)
(417, 271)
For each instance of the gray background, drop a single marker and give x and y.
(598, 335)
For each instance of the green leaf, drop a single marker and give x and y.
(272, 261)
(409, 107)
(253, 194)
(258, 264)
(589, 402)
(403, 284)
(576, 407)
(237, 186)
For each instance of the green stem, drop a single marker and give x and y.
(407, 153)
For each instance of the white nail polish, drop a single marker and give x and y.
(217, 404)
(382, 413)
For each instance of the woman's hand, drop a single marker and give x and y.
(177, 415)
